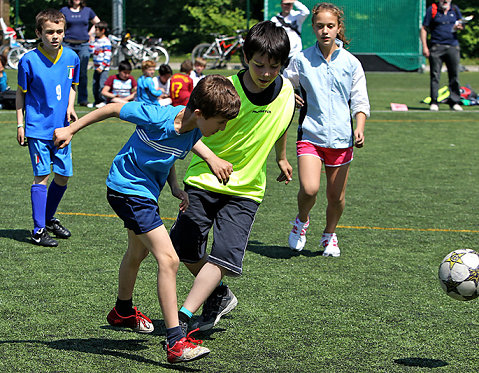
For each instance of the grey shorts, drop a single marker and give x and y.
(231, 217)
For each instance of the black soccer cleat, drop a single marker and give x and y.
(42, 238)
(54, 226)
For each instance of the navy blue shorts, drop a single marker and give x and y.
(231, 217)
(140, 214)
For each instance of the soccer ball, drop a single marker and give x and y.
(459, 274)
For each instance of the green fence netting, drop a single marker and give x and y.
(388, 29)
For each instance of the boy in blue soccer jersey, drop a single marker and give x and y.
(137, 176)
(47, 80)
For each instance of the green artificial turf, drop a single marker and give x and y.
(411, 199)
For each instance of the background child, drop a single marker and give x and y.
(46, 94)
(3, 73)
(197, 72)
(122, 86)
(181, 85)
(267, 108)
(101, 49)
(146, 91)
(162, 81)
(333, 85)
(136, 178)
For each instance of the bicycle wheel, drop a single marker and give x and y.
(14, 55)
(211, 55)
(157, 54)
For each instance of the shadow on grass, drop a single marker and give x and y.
(278, 252)
(20, 235)
(421, 362)
(113, 347)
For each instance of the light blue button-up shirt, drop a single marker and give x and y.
(332, 92)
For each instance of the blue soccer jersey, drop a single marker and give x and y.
(142, 166)
(46, 84)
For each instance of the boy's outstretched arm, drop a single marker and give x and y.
(221, 169)
(286, 174)
(176, 190)
(63, 136)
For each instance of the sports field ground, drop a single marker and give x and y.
(412, 198)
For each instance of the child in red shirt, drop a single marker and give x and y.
(181, 84)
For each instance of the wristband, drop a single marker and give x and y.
(19, 125)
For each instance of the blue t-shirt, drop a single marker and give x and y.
(146, 91)
(142, 166)
(47, 84)
(441, 26)
(3, 82)
(77, 23)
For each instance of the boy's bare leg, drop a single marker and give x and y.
(205, 283)
(130, 265)
(159, 244)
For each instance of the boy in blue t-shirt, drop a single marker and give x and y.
(138, 174)
(47, 79)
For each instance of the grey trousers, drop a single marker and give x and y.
(450, 55)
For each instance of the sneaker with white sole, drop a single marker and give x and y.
(457, 107)
(434, 107)
(138, 322)
(218, 304)
(329, 241)
(297, 236)
(186, 349)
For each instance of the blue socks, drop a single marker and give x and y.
(186, 312)
(38, 194)
(55, 194)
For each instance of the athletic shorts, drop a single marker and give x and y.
(44, 154)
(140, 214)
(231, 217)
(330, 157)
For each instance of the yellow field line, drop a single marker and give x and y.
(339, 226)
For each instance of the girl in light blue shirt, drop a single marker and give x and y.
(333, 88)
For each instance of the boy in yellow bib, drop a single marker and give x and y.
(230, 205)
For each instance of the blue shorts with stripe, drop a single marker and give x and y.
(45, 157)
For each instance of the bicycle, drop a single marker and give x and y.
(220, 50)
(16, 47)
(150, 49)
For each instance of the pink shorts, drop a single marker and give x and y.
(330, 157)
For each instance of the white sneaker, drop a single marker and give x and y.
(434, 107)
(90, 105)
(457, 107)
(330, 243)
(100, 105)
(297, 236)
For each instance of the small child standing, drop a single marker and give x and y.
(137, 176)
(181, 85)
(333, 87)
(146, 91)
(100, 47)
(120, 87)
(3, 73)
(197, 73)
(162, 81)
(47, 79)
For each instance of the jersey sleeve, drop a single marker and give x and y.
(23, 75)
(76, 71)
(142, 113)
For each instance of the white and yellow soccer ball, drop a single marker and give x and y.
(459, 274)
